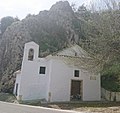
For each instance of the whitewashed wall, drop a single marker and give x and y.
(91, 88)
(33, 85)
(60, 83)
(55, 84)
(109, 95)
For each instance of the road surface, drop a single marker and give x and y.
(18, 108)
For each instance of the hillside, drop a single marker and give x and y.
(52, 30)
(97, 32)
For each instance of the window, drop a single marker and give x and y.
(75, 53)
(16, 90)
(31, 55)
(92, 77)
(42, 70)
(76, 73)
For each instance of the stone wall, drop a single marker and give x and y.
(110, 96)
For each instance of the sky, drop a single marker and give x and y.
(20, 8)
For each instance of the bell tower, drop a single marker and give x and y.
(31, 51)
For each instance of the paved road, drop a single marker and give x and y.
(17, 108)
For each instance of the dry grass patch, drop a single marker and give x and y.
(99, 107)
(6, 97)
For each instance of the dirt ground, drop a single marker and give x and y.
(94, 107)
(100, 110)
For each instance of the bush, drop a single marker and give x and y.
(110, 79)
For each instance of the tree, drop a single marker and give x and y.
(5, 22)
(73, 5)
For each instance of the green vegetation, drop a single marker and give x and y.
(98, 32)
(97, 107)
(6, 97)
(111, 77)
(101, 29)
(111, 85)
(72, 105)
(32, 102)
(6, 22)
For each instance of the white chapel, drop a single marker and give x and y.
(62, 76)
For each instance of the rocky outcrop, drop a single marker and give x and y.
(63, 14)
(52, 30)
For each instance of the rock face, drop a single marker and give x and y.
(52, 30)
(11, 51)
(63, 14)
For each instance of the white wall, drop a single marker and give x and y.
(60, 84)
(56, 80)
(59, 81)
(33, 85)
(91, 88)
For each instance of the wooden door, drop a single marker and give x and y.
(76, 89)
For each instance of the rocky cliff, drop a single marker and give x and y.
(52, 30)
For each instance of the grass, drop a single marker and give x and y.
(31, 102)
(72, 105)
(97, 107)
(6, 97)
(111, 86)
(85, 104)
(101, 107)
